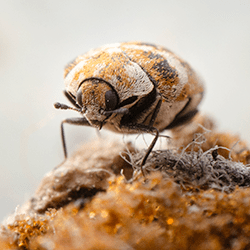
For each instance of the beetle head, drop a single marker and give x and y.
(94, 97)
(98, 101)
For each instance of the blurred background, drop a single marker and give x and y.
(38, 38)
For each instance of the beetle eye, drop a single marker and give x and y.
(79, 97)
(111, 100)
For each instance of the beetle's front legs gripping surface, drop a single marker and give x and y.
(82, 121)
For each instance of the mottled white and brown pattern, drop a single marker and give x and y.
(134, 68)
(131, 87)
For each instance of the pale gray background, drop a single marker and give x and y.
(37, 39)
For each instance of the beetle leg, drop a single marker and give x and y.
(82, 121)
(150, 148)
(156, 111)
(138, 128)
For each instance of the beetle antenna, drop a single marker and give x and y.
(58, 105)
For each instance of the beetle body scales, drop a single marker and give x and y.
(131, 87)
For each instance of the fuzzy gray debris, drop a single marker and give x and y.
(197, 169)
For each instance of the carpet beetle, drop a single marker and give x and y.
(131, 87)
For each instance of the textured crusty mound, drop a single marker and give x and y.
(196, 197)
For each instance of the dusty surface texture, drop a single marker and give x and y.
(196, 195)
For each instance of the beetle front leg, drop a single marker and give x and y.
(74, 121)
